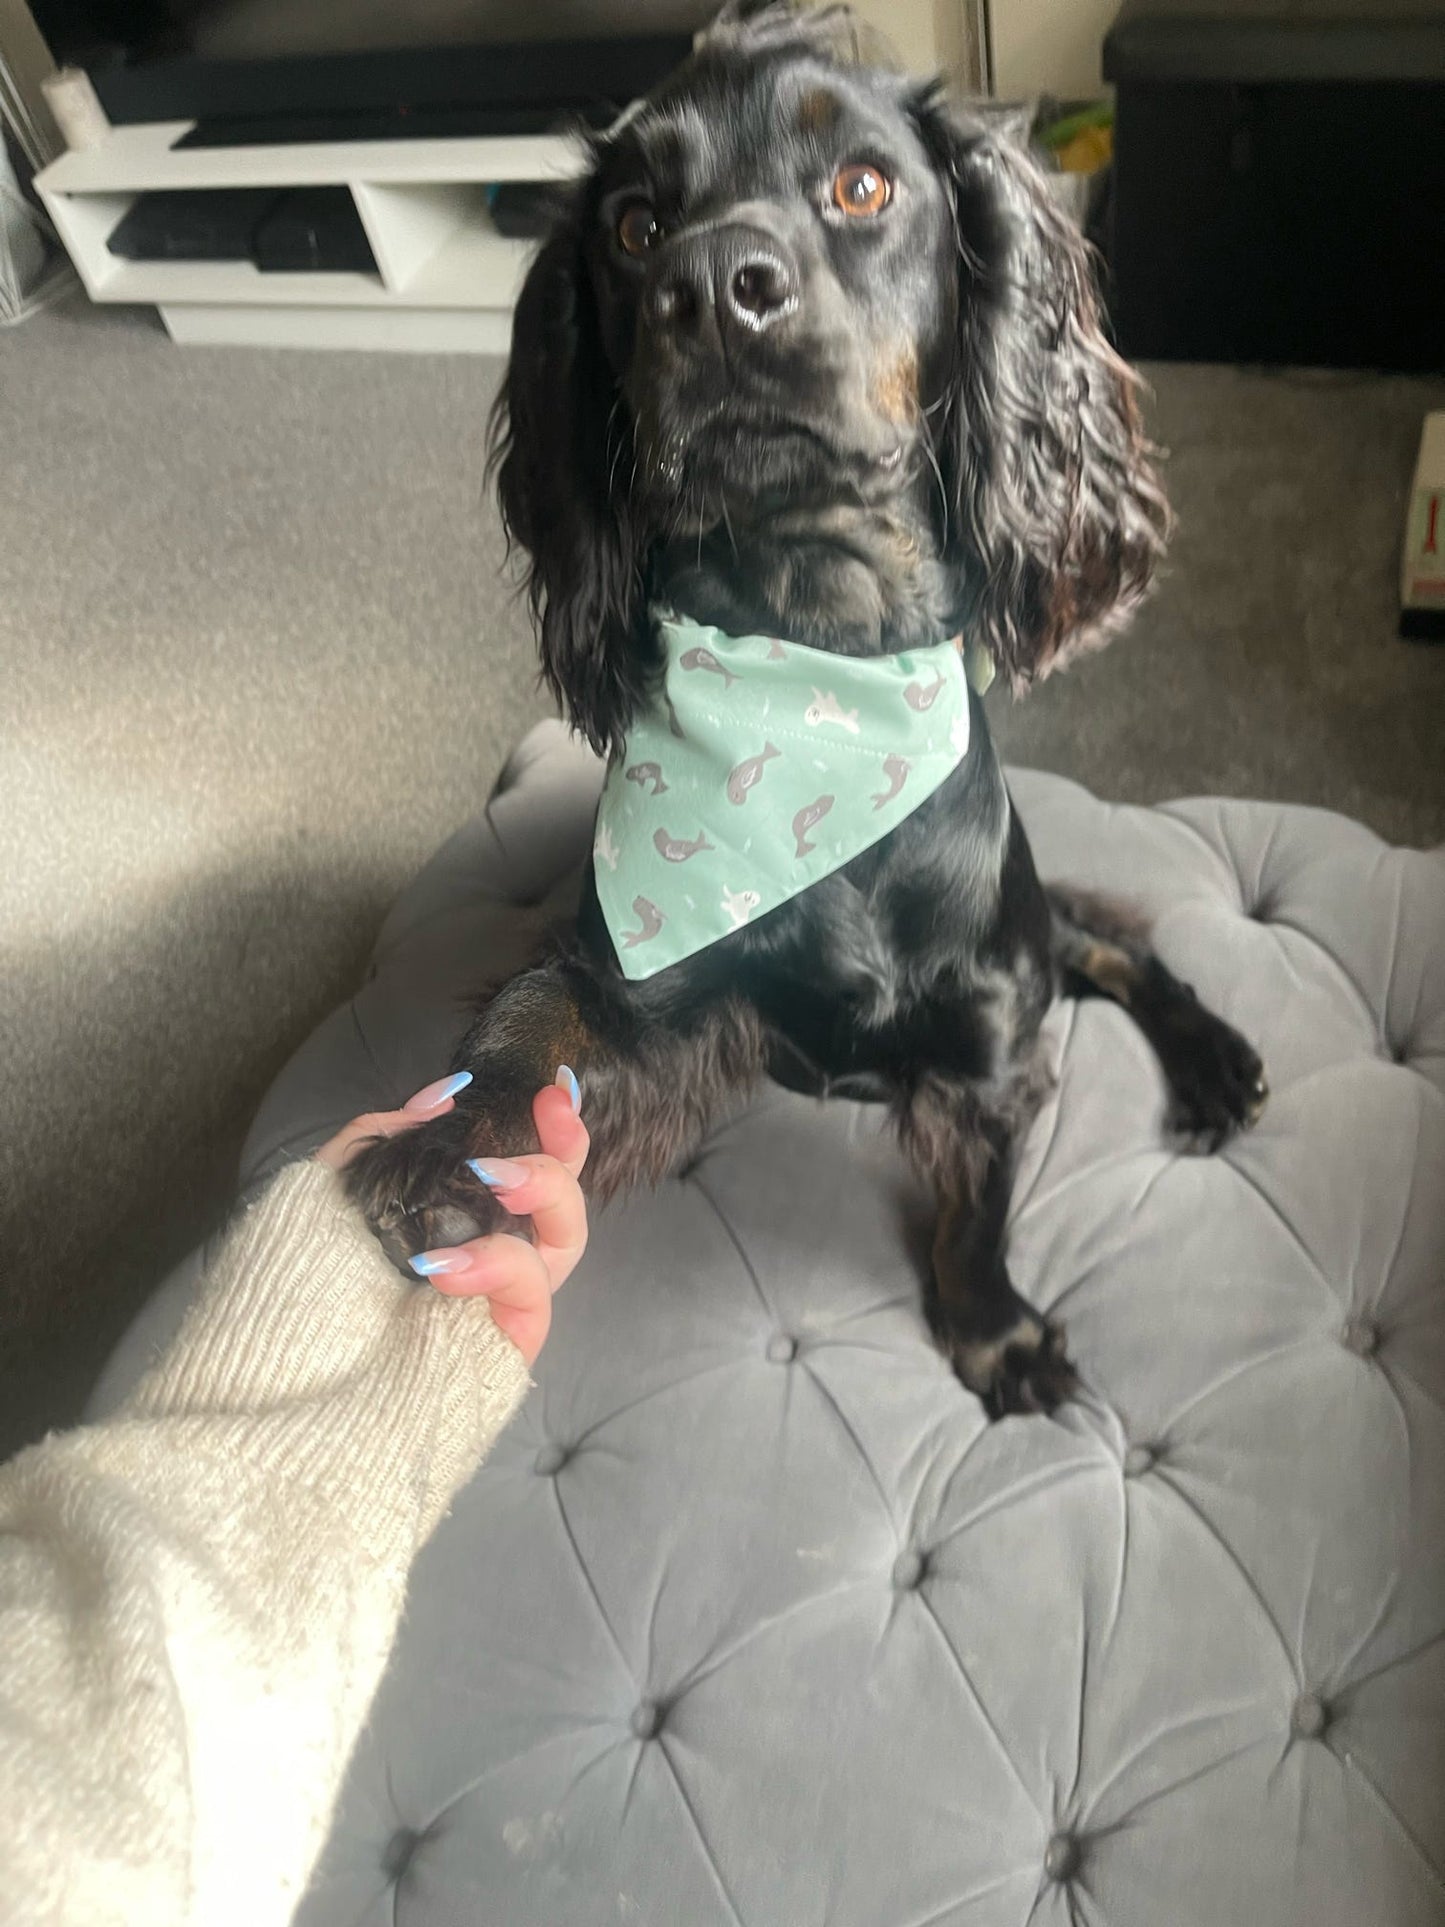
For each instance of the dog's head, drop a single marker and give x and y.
(798, 300)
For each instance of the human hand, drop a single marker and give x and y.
(516, 1277)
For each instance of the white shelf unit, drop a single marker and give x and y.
(445, 280)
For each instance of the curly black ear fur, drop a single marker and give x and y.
(558, 435)
(1056, 513)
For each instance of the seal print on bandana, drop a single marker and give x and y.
(757, 768)
(743, 776)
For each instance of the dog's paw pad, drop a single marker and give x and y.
(1216, 1078)
(1219, 1090)
(1023, 1370)
(417, 1193)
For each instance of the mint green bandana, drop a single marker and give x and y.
(764, 767)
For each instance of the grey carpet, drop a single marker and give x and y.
(1267, 662)
(257, 661)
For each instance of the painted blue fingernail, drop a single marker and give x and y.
(427, 1263)
(432, 1096)
(498, 1174)
(567, 1079)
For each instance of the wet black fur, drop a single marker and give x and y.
(928, 433)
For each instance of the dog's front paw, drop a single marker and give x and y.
(1023, 1369)
(1216, 1078)
(417, 1192)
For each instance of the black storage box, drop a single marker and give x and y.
(1279, 181)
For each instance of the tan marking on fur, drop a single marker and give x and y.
(535, 1021)
(983, 1359)
(893, 388)
(817, 110)
(571, 1041)
(1111, 970)
(904, 544)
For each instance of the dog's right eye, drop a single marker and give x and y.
(637, 228)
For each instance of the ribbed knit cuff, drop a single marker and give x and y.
(323, 1364)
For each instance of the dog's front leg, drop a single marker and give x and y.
(1217, 1084)
(650, 1087)
(963, 1137)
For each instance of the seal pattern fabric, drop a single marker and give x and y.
(761, 767)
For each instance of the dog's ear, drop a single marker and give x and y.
(1056, 514)
(563, 483)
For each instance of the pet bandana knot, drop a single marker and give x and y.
(763, 767)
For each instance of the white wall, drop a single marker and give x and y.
(1049, 46)
(929, 36)
(909, 27)
(27, 59)
(1039, 46)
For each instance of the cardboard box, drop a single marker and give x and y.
(1422, 572)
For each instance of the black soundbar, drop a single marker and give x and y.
(399, 123)
(458, 90)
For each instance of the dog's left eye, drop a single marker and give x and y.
(862, 189)
(637, 228)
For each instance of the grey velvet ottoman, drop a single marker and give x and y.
(752, 1617)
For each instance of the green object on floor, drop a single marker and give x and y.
(1058, 133)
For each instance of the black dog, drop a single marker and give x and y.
(812, 355)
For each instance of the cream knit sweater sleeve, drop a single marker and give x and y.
(198, 1596)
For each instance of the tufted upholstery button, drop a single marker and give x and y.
(1310, 1716)
(1062, 1857)
(909, 1569)
(646, 1721)
(399, 1851)
(727, 1532)
(1361, 1336)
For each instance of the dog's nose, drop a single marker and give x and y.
(732, 279)
(759, 289)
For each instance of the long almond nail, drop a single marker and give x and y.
(428, 1098)
(566, 1079)
(426, 1264)
(497, 1174)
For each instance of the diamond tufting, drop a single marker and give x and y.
(711, 1675)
